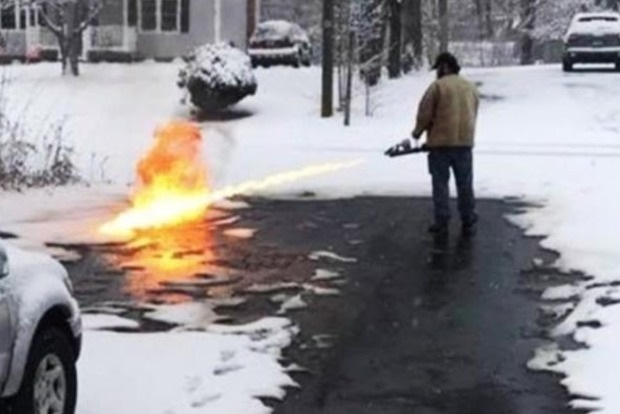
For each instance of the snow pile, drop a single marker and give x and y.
(217, 76)
(225, 370)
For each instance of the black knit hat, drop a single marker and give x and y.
(449, 60)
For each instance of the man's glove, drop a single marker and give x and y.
(415, 136)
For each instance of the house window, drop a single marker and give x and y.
(149, 15)
(170, 16)
(132, 13)
(185, 16)
(8, 19)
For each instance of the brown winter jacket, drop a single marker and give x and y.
(448, 113)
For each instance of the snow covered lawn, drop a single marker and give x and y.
(548, 138)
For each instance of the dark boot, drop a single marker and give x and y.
(439, 229)
(470, 227)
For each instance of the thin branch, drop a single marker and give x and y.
(91, 16)
(49, 23)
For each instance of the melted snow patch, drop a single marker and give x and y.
(565, 292)
(320, 255)
(231, 205)
(292, 304)
(323, 275)
(240, 233)
(107, 322)
(267, 288)
(194, 315)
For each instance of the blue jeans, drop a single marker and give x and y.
(460, 160)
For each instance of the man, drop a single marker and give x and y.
(448, 113)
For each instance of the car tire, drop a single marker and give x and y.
(567, 66)
(50, 377)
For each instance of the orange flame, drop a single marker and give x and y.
(173, 186)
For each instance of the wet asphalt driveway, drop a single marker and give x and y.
(417, 327)
(423, 326)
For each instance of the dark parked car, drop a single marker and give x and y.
(592, 38)
(278, 42)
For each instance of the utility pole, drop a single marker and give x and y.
(327, 101)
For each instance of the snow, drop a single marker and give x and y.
(325, 275)
(106, 322)
(321, 255)
(183, 372)
(277, 30)
(240, 233)
(196, 315)
(219, 65)
(547, 138)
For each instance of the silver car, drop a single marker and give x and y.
(40, 335)
(592, 38)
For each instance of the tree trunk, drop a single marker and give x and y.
(64, 54)
(69, 39)
(327, 101)
(372, 35)
(528, 15)
(444, 26)
(488, 19)
(349, 81)
(396, 34)
(74, 57)
(417, 33)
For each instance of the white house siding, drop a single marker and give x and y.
(170, 45)
(14, 44)
(234, 22)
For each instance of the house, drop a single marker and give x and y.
(129, 30)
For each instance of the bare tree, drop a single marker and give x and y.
(327, 105)
(528, 17)
(413, 34)
(66, 20)
(395, 52)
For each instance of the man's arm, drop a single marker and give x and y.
(426, 111)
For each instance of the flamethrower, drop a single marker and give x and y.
(405, 148)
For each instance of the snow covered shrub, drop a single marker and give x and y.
(29, 159)
(217, 76)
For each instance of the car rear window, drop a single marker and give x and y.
(598, 19)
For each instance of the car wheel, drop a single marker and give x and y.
(50, 380)
(567, 66)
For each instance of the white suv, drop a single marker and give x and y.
(40, 335)
(592, 38)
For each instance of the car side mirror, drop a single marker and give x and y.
(4, 263)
